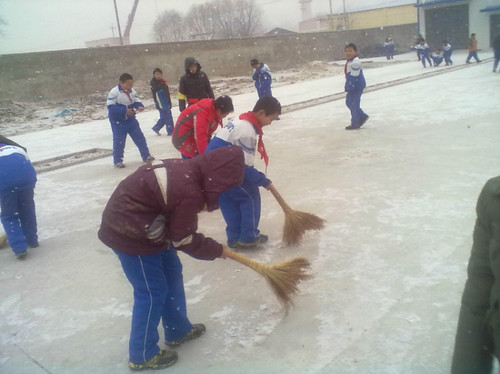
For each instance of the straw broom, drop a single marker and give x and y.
(3, 240)
(283, 277)
(296, 223)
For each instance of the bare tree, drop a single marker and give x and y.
(200, 21)
(169, 26)
(236, 18)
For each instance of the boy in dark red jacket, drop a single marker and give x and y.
(161, 96)
(152, 214)
(197, 123)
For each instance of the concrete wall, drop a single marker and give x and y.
(80, 72)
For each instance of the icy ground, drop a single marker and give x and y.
(399, 197)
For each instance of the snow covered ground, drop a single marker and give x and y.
(399, 197)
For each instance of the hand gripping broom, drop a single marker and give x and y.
(296, 223)
(283, 277)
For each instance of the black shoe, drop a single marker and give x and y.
(351, 127)
(162, 360)
(197, 331)
(120, 165)
(363, 121)
(260, 240)
(34, 245)
(232, 244)
(21, 255)
(157, 132)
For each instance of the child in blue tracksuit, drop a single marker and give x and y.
(161, 96)
(122, 103)
(354, 85)
(17, 185)
(262, 77)
(437, 57)
(447, 52)
(240, 205)
(424, 49)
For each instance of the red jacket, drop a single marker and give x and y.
(194, 128)
(158, 204)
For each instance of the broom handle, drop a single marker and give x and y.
(257, 266)
(286, 208)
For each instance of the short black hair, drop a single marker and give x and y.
(125, 77)
(224, 104)
(270, 105)
(254, 61)
(157, 70)
(351, 45)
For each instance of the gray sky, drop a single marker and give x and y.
(44, 25)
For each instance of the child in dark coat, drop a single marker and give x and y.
(152, 214)
(194, 85)
(354, 85)
(161, 96)
(17, 186)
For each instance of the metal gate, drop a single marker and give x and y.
(449, 23)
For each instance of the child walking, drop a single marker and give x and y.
(354, 85)
(240, 205)
(262, 77)
(161, 96)
(122, 103)
(447, 51)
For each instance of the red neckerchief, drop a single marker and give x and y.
(250, 117)
(128, 94)
(347, 61)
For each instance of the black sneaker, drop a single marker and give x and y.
(260, 240)
(21, 255)
(351, 127)
(34, 245)
(157, 132)
(363, 121)
(197, 331)
(162, 360)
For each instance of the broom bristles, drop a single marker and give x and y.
(283, 277)
(297, 223)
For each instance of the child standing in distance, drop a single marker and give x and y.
(447, 51)
(122, 103)
(472, 44)
(197, 123)
(424, 49)
(194, 85)
(354, 85)
(17, 186)
(262, 77)
(240, 205)
(437, 57)
(161, 96)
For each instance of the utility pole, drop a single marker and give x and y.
(118, 23)
(346, 18)
(331, 11)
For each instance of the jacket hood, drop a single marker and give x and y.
(220, 169)
(191, 61)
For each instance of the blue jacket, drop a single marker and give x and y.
(354, 77)
(15, 168)
(118, 101)
(262, 77)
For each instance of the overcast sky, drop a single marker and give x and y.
(44, 25)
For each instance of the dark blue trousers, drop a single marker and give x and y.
(240, 207)
(18, 217)
(120, 131)
(165, 120)
(264, 91)
(472, 54)
(158, 294)
(353, 102)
